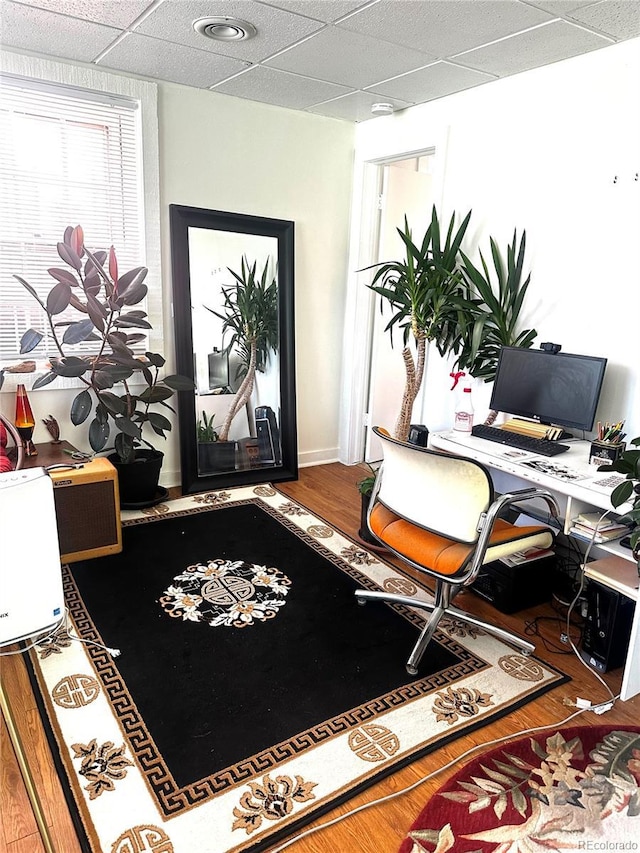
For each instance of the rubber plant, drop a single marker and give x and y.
(426, 293)
(104, 300)
(495, 306)
(250, 316)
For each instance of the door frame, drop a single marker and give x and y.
(360, 301)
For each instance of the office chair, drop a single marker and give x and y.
(438, 513)
(7, 430)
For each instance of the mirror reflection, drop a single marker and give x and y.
(233, 300)
(234, 317)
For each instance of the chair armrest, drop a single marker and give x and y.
(488, 519)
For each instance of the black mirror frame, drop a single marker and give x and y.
(181, 219)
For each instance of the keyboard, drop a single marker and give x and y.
(522, 442)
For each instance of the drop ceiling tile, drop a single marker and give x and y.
(617, 18)
(28, 28)
(434, 81)
(164, 60)
(354, 107)
(112, 12)
(173, 20)
(279, 87)
(350, 59)
(443, 27)
(321, 10)
(533, 49)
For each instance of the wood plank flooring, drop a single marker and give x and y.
(330, 491)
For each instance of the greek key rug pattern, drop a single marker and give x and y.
(127, 796)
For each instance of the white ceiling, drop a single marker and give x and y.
(332, 57)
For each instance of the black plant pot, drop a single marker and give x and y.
(215, 456)
(364, 533)
(138, 480)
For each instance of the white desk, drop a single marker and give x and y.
(579, 487)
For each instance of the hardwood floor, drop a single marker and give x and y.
(330, 491)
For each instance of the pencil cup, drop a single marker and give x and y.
(604, 452)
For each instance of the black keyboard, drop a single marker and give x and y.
(523, 442)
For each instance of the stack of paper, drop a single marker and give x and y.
(527, 556)
(591, 525)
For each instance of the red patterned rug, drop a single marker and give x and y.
(575, 788)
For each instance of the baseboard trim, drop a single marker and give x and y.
(318, 457)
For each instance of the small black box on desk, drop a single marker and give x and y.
(511, 586)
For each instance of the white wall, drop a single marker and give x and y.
(233, 155)
(540, 151)
(229, 154)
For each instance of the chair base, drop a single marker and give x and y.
(440, 607)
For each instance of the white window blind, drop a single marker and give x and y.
(67, 157)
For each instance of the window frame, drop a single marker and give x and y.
(146, 94)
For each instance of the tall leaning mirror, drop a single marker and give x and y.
(234, 329)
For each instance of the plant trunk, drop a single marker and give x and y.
(415, 373)
(243, 394)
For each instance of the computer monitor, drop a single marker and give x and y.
(218, 370)
(554, 388)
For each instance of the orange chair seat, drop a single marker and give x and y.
(441, 555)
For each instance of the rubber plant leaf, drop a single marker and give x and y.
(64, 275)
(30, 340)
(179, 383)
(78, 332)
(70, 366)
(98, 434)
(58, 298)
(80, 408)
(44, 380)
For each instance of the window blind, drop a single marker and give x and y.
(67, 157)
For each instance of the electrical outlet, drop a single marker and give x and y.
(564, 638)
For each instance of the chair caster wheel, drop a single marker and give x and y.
(526, 652)
(361, 601)
(412, 670)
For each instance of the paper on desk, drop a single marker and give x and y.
(555, 469)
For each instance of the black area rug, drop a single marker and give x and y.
(251, 691)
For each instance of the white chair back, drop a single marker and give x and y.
(441, 493)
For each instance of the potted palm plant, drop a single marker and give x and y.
(105, 301)
(426, 293)
(213, 455)
(493, 320)
(250, 317)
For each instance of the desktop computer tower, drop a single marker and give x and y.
(268, 436)
(514, 588)
(607, 627)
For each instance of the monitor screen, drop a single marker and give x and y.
(553, 388)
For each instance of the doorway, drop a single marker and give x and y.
(407, 190)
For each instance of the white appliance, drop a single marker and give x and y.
(31, 596)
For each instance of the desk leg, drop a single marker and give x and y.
(34, 799)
